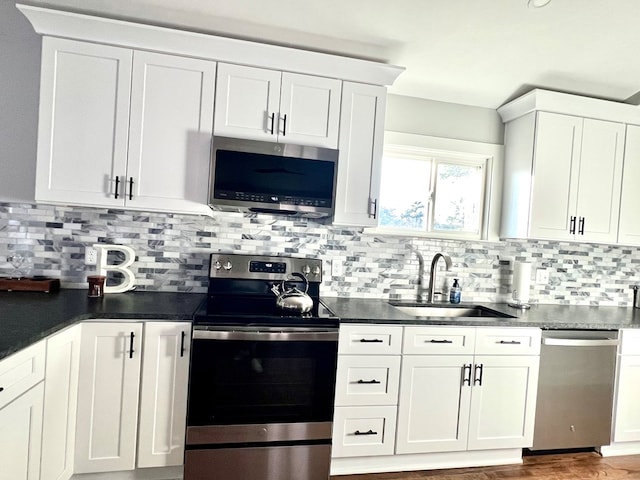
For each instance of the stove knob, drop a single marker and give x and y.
(306, 269)
(217, 265)
(227, 265)
(316, 271)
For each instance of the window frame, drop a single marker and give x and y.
(459, 151)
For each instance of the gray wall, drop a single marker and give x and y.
(19, 92)
(441, 119)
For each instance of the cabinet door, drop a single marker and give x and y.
(309, 110)
(108, 397)
(627, 414)
(503, 402)
(84, 122)
(360, 157)
(163, 395)
(600, 181)
(20, 430)
(170, 134)
(629, 226)
(433, 409)
(247, 102)
(555, 175)
(60, 404)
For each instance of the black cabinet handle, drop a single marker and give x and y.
(440, 341)
(117, 186)
(131, 345)
(369, 382)
(509, 342)
(182, 335)
(572, 225)
(477, 378)
(373, 340)
(370, 432)
(130, 188)
(284, 125)
(581, 227)
(273, 122)
(374, 203)
(466, 375)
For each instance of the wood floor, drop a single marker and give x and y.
(573, 466)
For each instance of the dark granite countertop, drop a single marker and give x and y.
(26, 317)
(353, 310)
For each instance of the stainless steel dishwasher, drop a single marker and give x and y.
(575, 389)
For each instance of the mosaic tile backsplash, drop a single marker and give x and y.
(173, 255)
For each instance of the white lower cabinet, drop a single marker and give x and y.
(122, 369)
(60, 404)
(367, 382)
(163, 394)
(468, 402)
(466, 398)
(21, 398)
(20, 431)
(626, 414)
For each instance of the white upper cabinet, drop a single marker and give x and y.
(360, 154)
(170, 133)
(84, 122)
(263, 104)
(123, 128)
(629, 226)
(563, 178)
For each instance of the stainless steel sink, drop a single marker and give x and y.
(449, 311)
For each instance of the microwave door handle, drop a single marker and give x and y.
(273, 122)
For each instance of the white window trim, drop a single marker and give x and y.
(420, 145)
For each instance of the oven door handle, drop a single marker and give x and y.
(268, 336)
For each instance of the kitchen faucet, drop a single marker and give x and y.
(432, 273)
(420, 293)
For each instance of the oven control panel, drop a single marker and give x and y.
(235, 266)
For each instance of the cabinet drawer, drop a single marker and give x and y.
(363, 431)
(630, 341)
(360, 339)
(438, 340)
(508, 341)
(21, 371)
(367, 380)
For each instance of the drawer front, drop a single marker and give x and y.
(358, 339)
(21, 371)
(508, 341)
(367, 380)
(363, 431)
(438, 340)
(630, 341)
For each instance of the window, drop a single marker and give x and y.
(439, 192)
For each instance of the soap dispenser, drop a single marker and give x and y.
(455, 292)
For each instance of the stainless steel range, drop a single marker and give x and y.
(262, 376)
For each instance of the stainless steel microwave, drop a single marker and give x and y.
(275, 178)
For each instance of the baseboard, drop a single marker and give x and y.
(620, 448)
(425, 461)
(163, 473)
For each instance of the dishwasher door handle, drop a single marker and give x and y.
(580, 342)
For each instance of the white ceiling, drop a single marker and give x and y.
(473, 52)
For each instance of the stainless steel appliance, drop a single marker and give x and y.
(273, 178)
(262, 379)
(575, 389)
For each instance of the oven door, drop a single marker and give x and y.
(249, 386)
